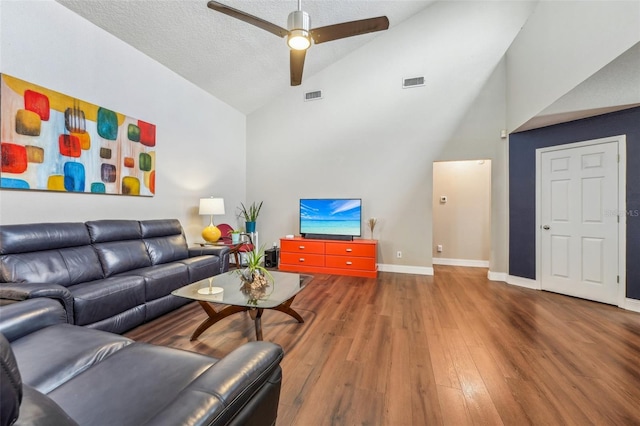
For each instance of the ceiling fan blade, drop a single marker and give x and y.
(296, 59)
(349, 29)
(250, 19)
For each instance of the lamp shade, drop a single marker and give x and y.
(210, 206)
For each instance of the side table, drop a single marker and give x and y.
(234, 249)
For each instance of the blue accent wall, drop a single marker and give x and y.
(522, 186)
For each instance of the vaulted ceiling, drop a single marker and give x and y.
(238, 63)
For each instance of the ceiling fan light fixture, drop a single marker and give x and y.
(299, 40)
(299, 24)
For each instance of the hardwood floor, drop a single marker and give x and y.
(452, 349)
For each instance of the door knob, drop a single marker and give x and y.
(546, 227)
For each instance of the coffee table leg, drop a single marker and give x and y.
(215, 316)
(287, 309)
(256, 316)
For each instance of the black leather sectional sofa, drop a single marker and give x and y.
(111, 275)
(55, 373)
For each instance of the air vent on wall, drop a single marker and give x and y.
(412, 82)
(313, 96)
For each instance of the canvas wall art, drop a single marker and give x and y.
(54, 142)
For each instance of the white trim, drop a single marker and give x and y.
(631, 305)
(622, 207)
(461, 262)
(405, 269)
(523, 282)
(622, 227)
(497, 276)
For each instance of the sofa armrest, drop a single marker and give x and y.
(221, 251)
(248, 377)
(22, 318)
(23, 291)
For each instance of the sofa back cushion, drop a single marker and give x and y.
(103, 231)
(41, 236)
(56, 253)
(164, 240)
(10, 384)
(119, 245)
(122, 256)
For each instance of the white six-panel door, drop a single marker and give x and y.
(578, 219)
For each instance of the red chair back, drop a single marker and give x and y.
(225, 232)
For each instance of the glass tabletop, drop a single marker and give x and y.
(283, 287)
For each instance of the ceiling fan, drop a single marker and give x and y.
(299, 34)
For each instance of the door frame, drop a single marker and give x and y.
(621, 140)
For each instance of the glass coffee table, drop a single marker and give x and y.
(226, 289)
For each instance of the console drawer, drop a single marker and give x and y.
(307, 259)
(297, 246)
(351, 262)
(351, 249)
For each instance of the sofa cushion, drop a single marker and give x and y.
(97, 300)
(22, 318)
(160, 228)
(166, 249)
(38, 409)
(164, 239)
(202, 267)
(152, 379)
(103, 231)
(46, 364)
(10, 384)
(44, 266)
(161, 280)
(122, 256)
(65, 266)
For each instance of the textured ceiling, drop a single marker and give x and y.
(238, 63)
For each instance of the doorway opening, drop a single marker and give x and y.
(462, 213)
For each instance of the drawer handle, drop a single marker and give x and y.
(349, 263)
(301, 259)
(301, 247)
(349, 250)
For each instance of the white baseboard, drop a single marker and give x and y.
(404, 269)
(523, 282)
(631, 305)
(497, 276)
(461, 262)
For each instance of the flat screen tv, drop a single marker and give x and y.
(330, 218)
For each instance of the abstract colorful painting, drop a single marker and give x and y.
(54, 142)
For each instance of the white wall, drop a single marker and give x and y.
(478, 136)
(198, 136)
(563, 44)
(369, 137)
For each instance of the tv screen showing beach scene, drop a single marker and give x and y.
(331, 216)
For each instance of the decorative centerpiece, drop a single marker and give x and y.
(255, 279)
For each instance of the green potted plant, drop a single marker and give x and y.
(235, 235)
(250, 215)
(255, 277)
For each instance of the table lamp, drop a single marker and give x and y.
(215, 292)
(211, 206)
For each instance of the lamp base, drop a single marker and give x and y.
(211, 233)
(210, 290)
